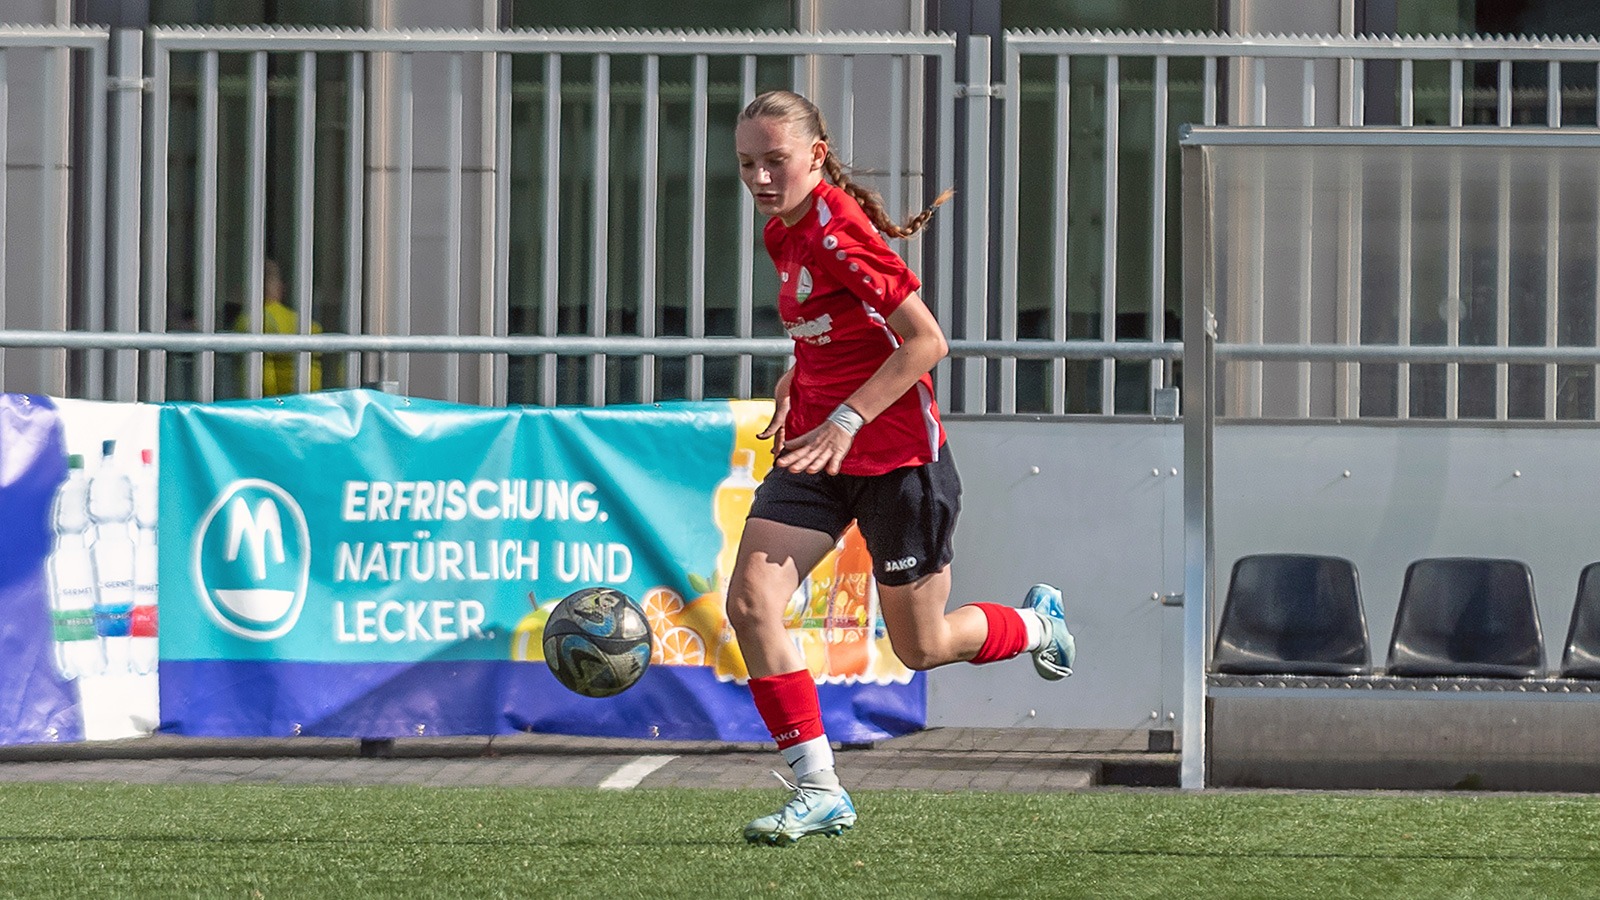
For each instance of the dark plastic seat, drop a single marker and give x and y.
(1292, 614)
(1467, 617)
(1582, 656)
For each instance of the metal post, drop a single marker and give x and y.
(1199, 334)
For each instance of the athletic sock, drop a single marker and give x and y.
(1008, 633)
(1034, 621)
(789, 706)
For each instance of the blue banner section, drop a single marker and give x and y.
(36, 703)
(354, 563)
(250, 699)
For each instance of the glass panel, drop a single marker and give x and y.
(1510, 199)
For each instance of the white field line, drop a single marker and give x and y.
(630, 774)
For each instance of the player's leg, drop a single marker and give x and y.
(908, 519)
(924, 636)
(773, 558)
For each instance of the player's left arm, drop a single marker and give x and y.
(922, 345)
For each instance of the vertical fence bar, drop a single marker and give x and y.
(1452, 278)
(1258, 92)
(452, 223)
(1208, 92)
(1503, 94)
(5, 163)
(1552, 278)
(255, 216)
(550, 309)
(844, 128)
(406, 166)
(601, 199)
(1404, 286)
(1060, 289)
(975, 391)
(1350, 299)
(500, 299)
(1010, 176)
(305, 172)
(205, 278)
(1408, 94)
(124, 271)
(1502, 287)
(155, 261)
(747, 238)
(650, 141)
(1308, 115)
(355, 209)
(697, 233)
(897, 134)
(944, 153)
(1552, 239)
(1158, 223)
(93, 264)
(1254, 312)
(1458, 95)
(51, 203)
(1108, 257)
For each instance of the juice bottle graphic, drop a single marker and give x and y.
(849, 620)
(729, 506)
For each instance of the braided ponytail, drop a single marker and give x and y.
(797, 110)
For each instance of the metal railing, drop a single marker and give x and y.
(571, 187)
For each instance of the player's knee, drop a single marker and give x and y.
(751, 609)
(919, 657)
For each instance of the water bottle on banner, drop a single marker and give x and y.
(142, 624)
(76, 647)
(111, 512)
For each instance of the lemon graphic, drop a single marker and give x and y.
(527, 641)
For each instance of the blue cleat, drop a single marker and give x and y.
(810, 811)
(1053, 660)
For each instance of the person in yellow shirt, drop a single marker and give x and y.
(277, 317)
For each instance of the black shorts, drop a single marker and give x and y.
(908, 516)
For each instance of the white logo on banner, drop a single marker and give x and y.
(256, 586)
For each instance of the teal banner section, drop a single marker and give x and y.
(360, 527)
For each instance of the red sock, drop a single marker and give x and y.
(788, 705)
(1007, 636)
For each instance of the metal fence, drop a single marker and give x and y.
(533, 217)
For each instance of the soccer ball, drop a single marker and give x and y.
(597, 641)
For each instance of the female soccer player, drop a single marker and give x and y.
(857, 436)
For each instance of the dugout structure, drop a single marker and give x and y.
(1397, 329)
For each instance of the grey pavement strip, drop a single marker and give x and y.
(1026, 760)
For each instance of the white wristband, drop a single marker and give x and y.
(847, 418)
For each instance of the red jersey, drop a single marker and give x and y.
(838, 284)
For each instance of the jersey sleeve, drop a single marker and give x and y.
(852, 252)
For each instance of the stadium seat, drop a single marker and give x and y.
(1291, 614)
(1582, 656)
(1467, 617)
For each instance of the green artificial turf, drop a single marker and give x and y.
(96, 840)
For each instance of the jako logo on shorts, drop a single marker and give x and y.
(251, 560)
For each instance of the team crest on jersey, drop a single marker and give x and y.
(802, 291)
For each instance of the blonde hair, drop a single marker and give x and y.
(787, 106)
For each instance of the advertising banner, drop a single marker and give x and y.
(355, 563)
(80, 582)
